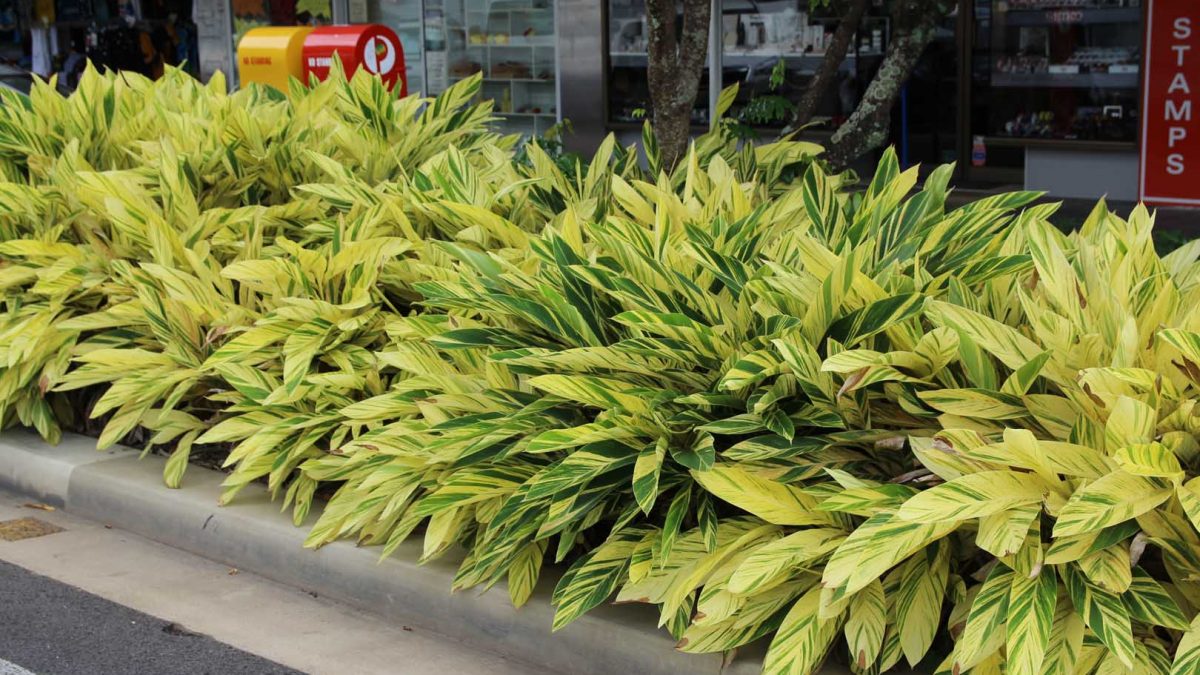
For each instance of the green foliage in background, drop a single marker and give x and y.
(842, 421)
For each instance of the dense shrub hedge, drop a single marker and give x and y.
(775, 407)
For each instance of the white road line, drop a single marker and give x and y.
(7, 668)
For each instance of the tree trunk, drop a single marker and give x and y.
(867, 128)
(835, 55)
(673, 69)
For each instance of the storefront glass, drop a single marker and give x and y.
(511, 42)
(1057, 69)
(628, 88)
(404, 17)
(755, 36)
(249, 14)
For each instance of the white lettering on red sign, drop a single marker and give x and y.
(1170, 140)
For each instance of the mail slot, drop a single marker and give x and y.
(272, 55)
(373, 47)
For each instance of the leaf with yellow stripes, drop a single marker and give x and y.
(984, 631)
(1130, 422)
(1149, 459)
(877, 545)
(646, 470)
(592, 391)
(1103, 612)
(975, 403)
(524, 572)
(1002, 533)
(1110, 500)
(1187, 655)
(1006, 344)
(803, 638)
(919, 598)
(1108, 568)
(1066, 640)
(1189, 497)
(1188, 344)
(1149, 602)
(865, 623)
(773, 562)
(1031, 605)
(770, 500)
(973, 496)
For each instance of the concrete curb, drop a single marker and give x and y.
(118, 489)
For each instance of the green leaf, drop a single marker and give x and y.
(1149, 602)
(918, 600)
(802, 639)
(645, 474)
(1030, 618)
(984, 632)
(594, 577)
(772, 501)
(1187, 655)
(1103, 612)
(1113, 499)
(865, 624)
(973, 496)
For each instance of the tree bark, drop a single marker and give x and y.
(835, 55)
(673, 69)
(867, 128)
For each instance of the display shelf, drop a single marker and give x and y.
(1056, 72)
(513, 45)
(1067, 80)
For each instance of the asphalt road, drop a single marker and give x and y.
(50, 628)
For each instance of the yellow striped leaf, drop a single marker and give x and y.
(1149, 602)
(918, 600)
(865, 624)
(770, 500)
(1103, 612)
(984, 631)
(772, 563)
(1112, 499)
(802, 639)
(976, 403)
(645, 474)
(1108, 568)
(1003, 533)
(973, 496)
(1187, 655)
(1030, 618)
(1066, 640)
(1149, 459)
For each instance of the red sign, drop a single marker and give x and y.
(373, 47)
(1170, 168)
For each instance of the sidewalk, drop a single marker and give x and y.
(286, 625)
(118, 489)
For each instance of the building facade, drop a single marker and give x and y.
(1039, 93)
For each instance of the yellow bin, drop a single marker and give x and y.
(272, 54)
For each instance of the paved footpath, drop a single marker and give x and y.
(90, 599)
(48, 628)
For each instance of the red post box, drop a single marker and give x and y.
(370, 46)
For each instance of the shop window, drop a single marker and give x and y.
(249, 14)
(1056, 70)
(404, 17)
(757, 35)
(628, 88)
(511, 42)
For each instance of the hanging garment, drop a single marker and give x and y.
(39, 50)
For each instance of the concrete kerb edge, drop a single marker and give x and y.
(118, 489)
